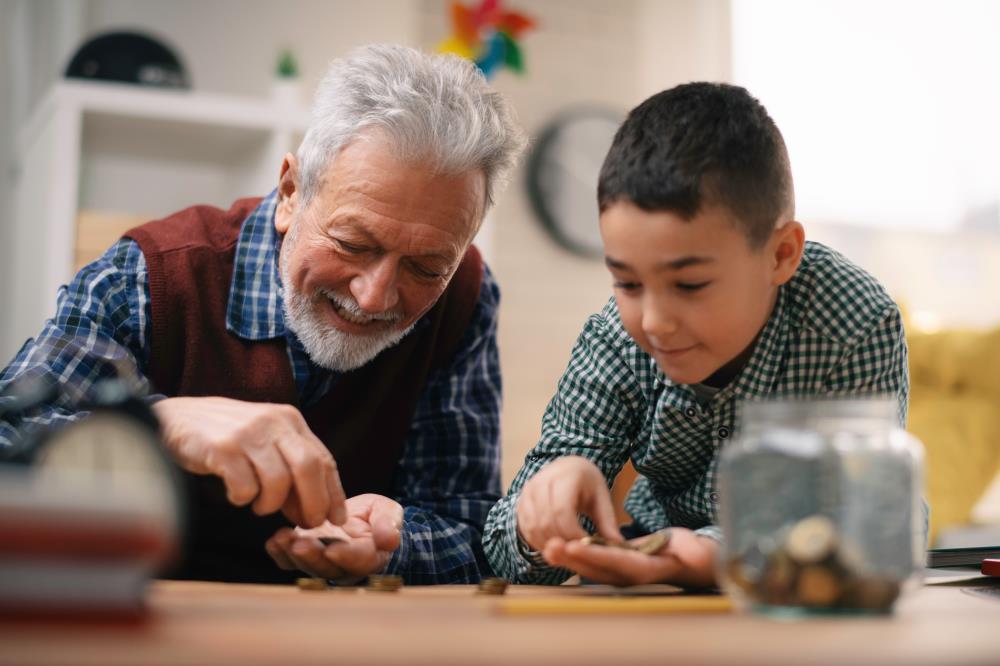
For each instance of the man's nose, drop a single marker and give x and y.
(375, 288)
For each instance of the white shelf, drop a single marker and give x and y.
(131, 150)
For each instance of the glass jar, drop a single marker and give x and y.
(821, 508)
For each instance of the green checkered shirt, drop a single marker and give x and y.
(834, 331)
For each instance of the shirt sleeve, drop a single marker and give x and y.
(98, 331)
(593, 414)
(449, 474)
(876, 364)
(879, 365)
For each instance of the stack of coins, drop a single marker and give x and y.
(311, 584)
(652, 544)
(385, 583)
(494, 586)
(810, 567)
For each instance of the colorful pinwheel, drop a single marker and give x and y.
(487, 35)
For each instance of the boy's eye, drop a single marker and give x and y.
(626, 286)
(691, 286)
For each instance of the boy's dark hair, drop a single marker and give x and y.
(697, 144)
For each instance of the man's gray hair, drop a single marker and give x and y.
(436, 109)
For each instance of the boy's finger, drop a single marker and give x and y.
(564, 515)
(602, 511)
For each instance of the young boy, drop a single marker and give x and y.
(718, 298)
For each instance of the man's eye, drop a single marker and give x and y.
(425, 273)
(351, 248)
(627, 286)
(691, 286)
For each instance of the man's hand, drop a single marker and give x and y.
(265, 454)
(551, 502)
(361, 546)
(687, 560)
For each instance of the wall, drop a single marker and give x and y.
(583, 52)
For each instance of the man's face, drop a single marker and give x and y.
(692, 294)
(372, 250)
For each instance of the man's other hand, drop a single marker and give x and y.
(358, 548)
(265, 454)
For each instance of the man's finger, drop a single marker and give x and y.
(273, 475)
(335, 491)
(307, 554)
(358, 557)
(308, 476)
(386, 520)
(279, 555)
(238, 475)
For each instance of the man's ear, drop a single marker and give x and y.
(288, 194)
(785, 249)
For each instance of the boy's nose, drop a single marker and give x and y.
(658, 323)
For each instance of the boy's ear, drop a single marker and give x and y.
(288, 194)
(785, 250)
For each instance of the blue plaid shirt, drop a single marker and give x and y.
(449, 474)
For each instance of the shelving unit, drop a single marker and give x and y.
(124, 151)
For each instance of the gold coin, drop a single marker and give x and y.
(817, 586)
(311, 584)
(654, 543)
(385, 583)
(494, 586)
(811, 540)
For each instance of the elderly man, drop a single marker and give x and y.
(335, 339)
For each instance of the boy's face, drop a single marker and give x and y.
(692, 293)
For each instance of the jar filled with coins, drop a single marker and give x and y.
(821, 508)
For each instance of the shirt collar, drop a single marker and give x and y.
(255, 300)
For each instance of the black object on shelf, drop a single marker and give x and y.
(128, 57)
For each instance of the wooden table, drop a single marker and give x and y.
(209, 623)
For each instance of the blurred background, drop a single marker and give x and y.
(889, 110)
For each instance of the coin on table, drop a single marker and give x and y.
(654, 543)
(811, 540)
(495, 586)
(384, 583)
(312, 584)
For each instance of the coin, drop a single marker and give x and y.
(384, 583)
(812, 539)
(311, 584)
(493, 586)
(654, 543)
(817, 586)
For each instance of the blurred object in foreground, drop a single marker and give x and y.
(93, 516)
(821, 508)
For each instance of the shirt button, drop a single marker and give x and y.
(714, 497)
(691, 412)
(723, 432)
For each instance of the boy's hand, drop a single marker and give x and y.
(687, 560)
(552, 501)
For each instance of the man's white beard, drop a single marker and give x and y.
(327, 345)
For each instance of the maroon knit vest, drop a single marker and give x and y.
(364, 419)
